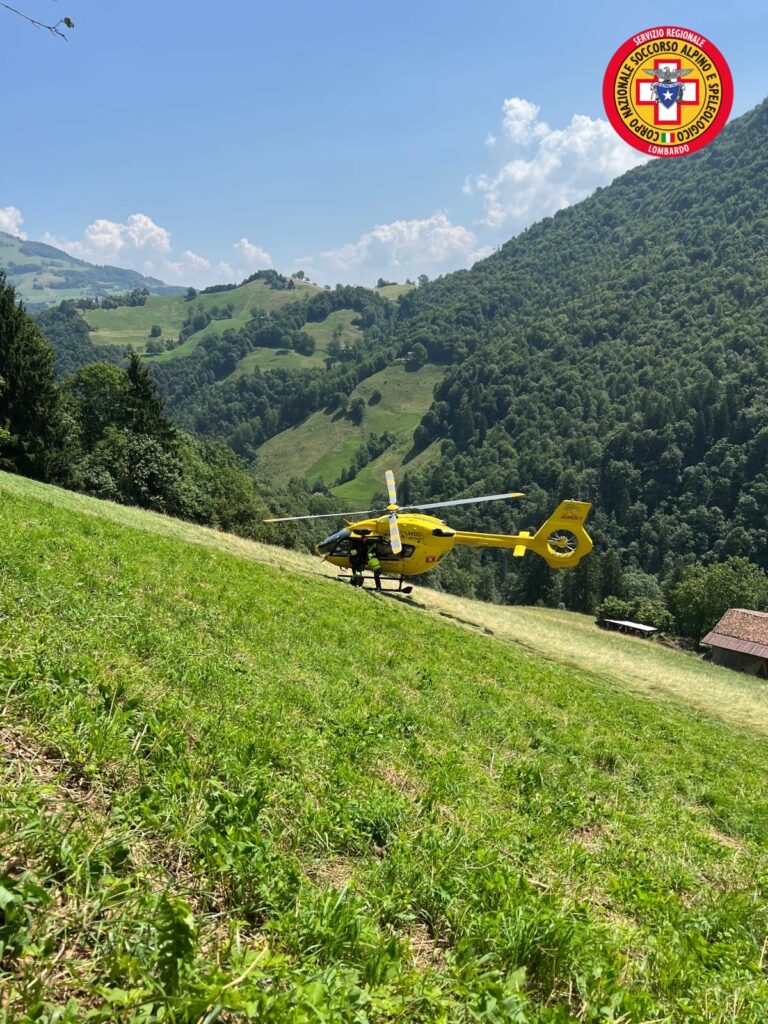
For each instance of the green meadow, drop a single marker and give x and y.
(326, 442)
(130, 325)
(281, 358)
(232, 789)
(394, 291)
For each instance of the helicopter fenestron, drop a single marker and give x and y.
(408, 543)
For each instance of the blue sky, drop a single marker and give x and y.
(200, 141)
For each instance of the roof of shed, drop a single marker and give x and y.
(730, 643)
(742, 624)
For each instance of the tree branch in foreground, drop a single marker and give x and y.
(53, 29)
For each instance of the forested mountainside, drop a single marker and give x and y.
(44, 275)
(618, 352)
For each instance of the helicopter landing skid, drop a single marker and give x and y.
(399, 589)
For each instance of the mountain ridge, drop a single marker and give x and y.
(44, 275)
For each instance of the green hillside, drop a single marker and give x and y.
(341, 323)
(44, 275)
(215, 805)
(325, 443)
(130, 325)
(617, 351)
(400, 458)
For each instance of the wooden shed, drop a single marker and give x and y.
(740, 641)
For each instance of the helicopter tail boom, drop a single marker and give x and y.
(561, 541)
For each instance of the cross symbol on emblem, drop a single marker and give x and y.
(665, 92)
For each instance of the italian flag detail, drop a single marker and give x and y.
(667, 136)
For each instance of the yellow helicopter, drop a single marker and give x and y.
(408, 543)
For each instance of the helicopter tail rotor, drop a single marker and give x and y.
(562, 540)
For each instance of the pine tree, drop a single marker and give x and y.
(145, 404)
(30, 416)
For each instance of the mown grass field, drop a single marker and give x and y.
(394, 291)
(130, 325)
(233, 791)
(648, 667)
(325, 443)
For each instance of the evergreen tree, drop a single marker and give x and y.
(145, 406)
(98, 398)
(30, 413)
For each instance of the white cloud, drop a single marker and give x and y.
(142, 232)
(480, 253)
(226, 274)
(191, 259)
(101, 239)
(490, 139)
(109, 241)
(139, 244)
(11, 221)
(253, 255)
(551, 168)
(404, 248)
(519, 119)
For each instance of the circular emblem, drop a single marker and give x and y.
(668, 91)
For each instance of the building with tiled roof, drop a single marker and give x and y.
(740, 641)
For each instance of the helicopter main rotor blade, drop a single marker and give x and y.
(465, 501)
(394, 535)
(389, 476)
(325, 515)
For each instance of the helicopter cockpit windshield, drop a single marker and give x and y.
(337, 543)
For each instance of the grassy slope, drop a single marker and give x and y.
(130, 325)
(369, 480)
(394, 291)
(325, 443)
(647, 667)
(270, 358)
(220, 789)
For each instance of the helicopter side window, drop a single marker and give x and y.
(384, 552)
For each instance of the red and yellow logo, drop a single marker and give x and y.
(668, 91)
